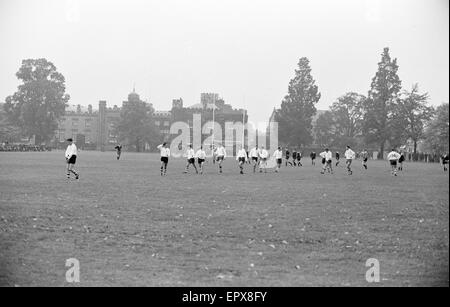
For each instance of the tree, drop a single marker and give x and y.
(348, 118)
(414, 113)
(136, 125)
(380, 106)
(298, 107)
(324, 129)
(437, 131)
(39, 101)
(8, 132)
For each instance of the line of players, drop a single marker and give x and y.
(258, 157)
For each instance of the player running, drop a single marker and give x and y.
(338, 156)
(278, 155)
(254, 157)
(118, 149)
(349, 157)
(400, 161)
(242, 158)
(393, 158)
(365, 156)
(190, 155)
(201, 158)
(327, 161)
(288, 156)
(165, 154)
(299, 158)
(445, 160)
(263, 156)
(221, 155)
(71, 158)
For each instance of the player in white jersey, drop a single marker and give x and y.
(349, 157)
(71, 158)
(263, 156)
(190, 155)
(242, 157)
(278, 155)
(165, 154)
(254, 157)
(201, 158)
(221, 155)
(393, 158)
(327, 161)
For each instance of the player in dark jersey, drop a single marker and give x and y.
(288, 156)
(445, 160)
(338, 156)
(294, 156)
(299, 158)
(312, 155)
(118, 149)
(401, 160)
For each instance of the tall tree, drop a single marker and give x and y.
(136, 126)
(39, 101)
(437, 131)
(298, 107)
(324, 129)
(380, 106)
(348, 118)
(414, 111)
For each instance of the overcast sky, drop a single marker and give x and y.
(244, 50)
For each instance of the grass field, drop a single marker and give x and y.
(130, 227)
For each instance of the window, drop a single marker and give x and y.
(166, 123)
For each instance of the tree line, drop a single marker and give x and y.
(387, 116)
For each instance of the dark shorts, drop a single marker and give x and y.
(288, 157)
(264, 159)
(393, 162)
(255, 159)
(165, 159)
(323, 160)
(279, 161)
(401, 159)
(329, 162)
(365, 159)
(299, 158)
(445, 162)
(241, 160)
(200, 161)
(72, 160)
(220, 158)
(191, 160)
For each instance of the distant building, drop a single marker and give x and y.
(95, 129)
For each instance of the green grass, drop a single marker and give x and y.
(130, 227)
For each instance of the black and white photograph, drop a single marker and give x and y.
(224, 149)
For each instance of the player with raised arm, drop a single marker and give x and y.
(165, 154)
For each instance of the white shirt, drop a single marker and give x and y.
(200, 154)
(71, 151)
(165, 152)
(328, 155)
(278, 154)
(255, 152)
(349, 154)
(242, 153)
(190, 154)
(393, 156)
(221, 152)
(264, 154)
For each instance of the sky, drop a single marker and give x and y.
(245, 50)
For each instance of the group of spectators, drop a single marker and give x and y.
(23, 147)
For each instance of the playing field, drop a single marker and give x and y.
(130, 227)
